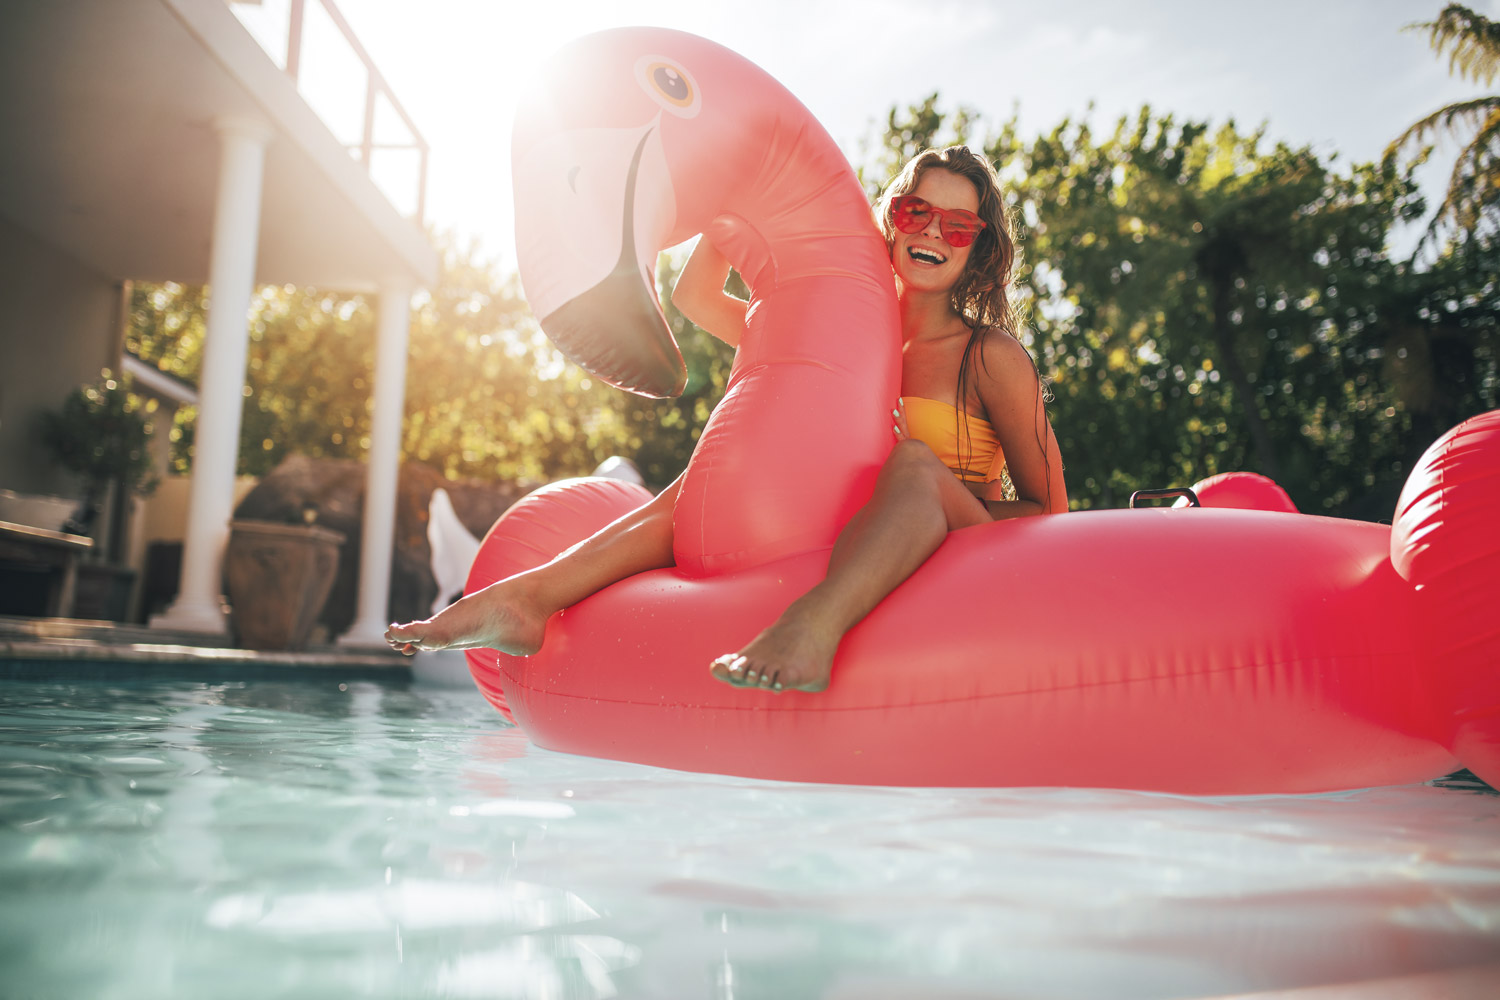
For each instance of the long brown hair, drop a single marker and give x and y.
(982, 295)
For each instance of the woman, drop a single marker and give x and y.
(971, 410)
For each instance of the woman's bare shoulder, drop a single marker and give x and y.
(1005, 361)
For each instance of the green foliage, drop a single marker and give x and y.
(1471, 40)
(1202, 288)
(1200, 299)
(1470, 209)
(102, 433)
(1203, 301)
(487, 396)
(909, 131)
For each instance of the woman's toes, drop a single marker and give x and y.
(729, 668)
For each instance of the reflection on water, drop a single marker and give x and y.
(164, 839)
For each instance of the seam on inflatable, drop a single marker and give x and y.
(1113, 682)
(788, 548)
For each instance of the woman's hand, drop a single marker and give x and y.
(898, 417)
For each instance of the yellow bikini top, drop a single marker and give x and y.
(976, 458)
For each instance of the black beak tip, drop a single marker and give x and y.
(616, 332)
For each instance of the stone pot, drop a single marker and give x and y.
(277, 577)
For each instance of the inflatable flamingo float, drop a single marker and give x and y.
(1198, 650)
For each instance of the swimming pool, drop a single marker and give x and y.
(328, 836)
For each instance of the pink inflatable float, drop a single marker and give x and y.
(1211, 649)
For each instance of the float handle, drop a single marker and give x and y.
(1174, 491)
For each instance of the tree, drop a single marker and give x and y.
(487, 394)
(1211, 302)
(103, 433)
(1471, 206)
(1202, 300)
(908, 131)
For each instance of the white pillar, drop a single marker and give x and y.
(216, 438)
(377, 543)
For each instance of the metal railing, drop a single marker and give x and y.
(375, 86)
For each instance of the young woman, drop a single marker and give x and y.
(972, 442)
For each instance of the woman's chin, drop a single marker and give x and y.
(929, 280)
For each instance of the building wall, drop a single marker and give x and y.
(59, 325)
(164, 514)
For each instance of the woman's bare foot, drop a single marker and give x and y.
(794, 654)
(501, 616)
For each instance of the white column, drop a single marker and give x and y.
(216, 438)
(377, 543)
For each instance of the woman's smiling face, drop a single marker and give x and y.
(923, 260)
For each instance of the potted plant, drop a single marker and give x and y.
(102, 434)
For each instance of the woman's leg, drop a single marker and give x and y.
(916, 502)
(511, 615)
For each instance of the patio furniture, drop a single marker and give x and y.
(51, 556)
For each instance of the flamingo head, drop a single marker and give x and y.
(611, 165)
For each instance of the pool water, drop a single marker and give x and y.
(316, 837)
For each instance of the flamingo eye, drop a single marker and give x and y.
(668, 84)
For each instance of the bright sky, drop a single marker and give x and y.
(1337, 74)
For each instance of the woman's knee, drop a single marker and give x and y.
(911, 464)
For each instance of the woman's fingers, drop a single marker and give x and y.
(898, 415)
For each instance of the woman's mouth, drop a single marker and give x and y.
(922, 255)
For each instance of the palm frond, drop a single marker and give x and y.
(1472, 204)
(1473, 114)
(1471, 40)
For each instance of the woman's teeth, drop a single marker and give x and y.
(925, 256)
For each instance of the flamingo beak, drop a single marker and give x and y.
(613, 328)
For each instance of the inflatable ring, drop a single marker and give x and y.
(1212, 649)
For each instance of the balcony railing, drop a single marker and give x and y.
(376, 87)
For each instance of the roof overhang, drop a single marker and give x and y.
(108, 150)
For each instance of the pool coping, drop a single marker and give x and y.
(60, 641)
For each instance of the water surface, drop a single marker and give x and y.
(307, 837)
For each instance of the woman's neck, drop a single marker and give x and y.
(926, 315)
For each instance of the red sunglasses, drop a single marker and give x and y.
(958, 226)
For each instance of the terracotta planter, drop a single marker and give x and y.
(277, 577)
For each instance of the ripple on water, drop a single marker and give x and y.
(171, 839)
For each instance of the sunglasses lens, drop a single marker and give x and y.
(958, 234)
(911, 214)
(959, 228)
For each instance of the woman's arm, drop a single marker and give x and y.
(1012, 396)
(699, 294)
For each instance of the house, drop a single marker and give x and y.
(157, 140)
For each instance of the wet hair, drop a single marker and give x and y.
(982, 295)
